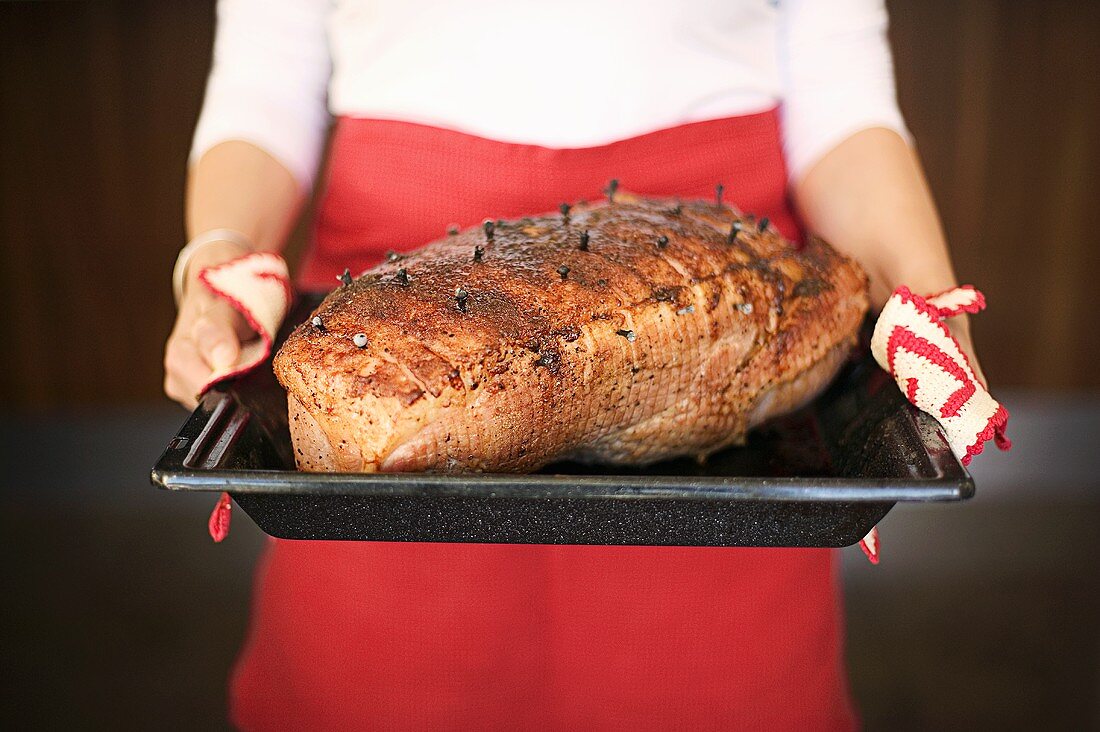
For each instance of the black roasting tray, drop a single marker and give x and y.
(821, 477)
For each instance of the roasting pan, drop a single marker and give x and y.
(820, 477)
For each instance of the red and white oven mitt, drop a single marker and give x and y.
(913, 344)
(258, 287)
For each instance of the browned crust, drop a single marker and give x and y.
(761, 314)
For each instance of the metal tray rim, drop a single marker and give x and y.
(556, 485)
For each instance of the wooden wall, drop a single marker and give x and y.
(1003, 100)
(97, 103)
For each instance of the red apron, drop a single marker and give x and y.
(370, 635)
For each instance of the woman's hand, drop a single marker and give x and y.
(208, 332)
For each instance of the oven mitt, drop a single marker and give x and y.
(258, 287)
(913, 344)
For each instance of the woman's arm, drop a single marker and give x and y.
(234, 185)
(237, 185)
(855, 177)
(253, 158)
(869, 198)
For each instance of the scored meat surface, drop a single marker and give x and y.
(626, 332)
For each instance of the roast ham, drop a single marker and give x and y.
(622, 332)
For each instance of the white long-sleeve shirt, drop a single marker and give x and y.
(559, 73)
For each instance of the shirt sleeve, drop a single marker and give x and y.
(837, 76)
(268, 82)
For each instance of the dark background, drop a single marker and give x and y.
(117, 610)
